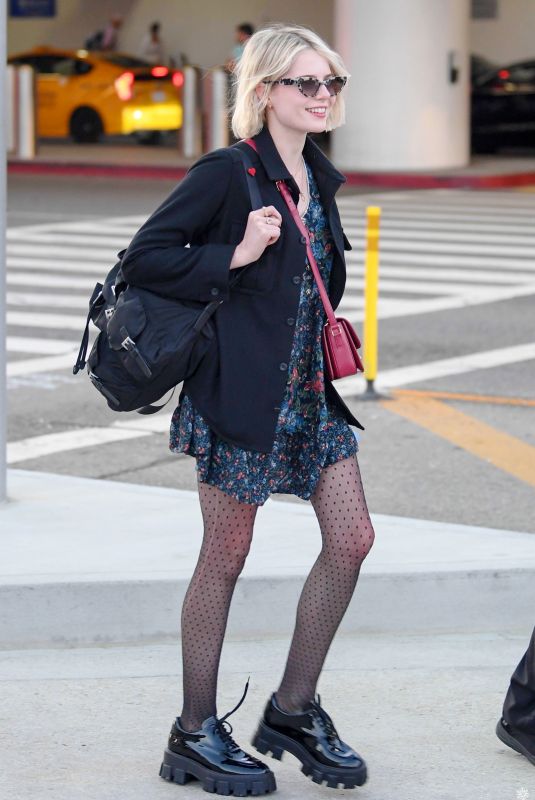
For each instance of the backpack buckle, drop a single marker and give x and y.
(128, 344)
(109, 312)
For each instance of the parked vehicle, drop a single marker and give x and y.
(86, 94)
(479, 67)
(503, 107)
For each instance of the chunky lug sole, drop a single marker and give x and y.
(179, 769)
(510, 741)
(266, 741)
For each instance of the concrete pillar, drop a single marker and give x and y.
(408, 98)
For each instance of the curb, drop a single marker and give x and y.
(96, 170)
(137, 611)
(94, 561)
(387, 180)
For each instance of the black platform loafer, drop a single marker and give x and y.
(518, 740)
(211, 756)
(312, 738)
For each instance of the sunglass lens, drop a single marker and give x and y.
(310, 87)
(335, 85)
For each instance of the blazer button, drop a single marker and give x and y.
(283, 366)
(214, 291)
(296, 279)
(303, 240)
(290, 321)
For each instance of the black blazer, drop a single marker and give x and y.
(184, 250)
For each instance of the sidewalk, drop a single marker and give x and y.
(131, 160)
(92, 723)
(414, 680)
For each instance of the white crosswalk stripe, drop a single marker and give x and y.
(51, 272)
(459, 248)
(439, 250)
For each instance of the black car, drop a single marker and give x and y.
(503, 107)
(479, 68)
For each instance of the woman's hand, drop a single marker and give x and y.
(263, 228)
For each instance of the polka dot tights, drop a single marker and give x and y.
(347, 536)
(228, 530)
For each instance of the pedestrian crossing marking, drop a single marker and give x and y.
(439, 250)
(443, 367)
(135, 426)
(26, 344)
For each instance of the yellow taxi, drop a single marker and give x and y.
(86, 94)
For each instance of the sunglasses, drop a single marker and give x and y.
(309, 86)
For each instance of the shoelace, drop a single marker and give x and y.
(330, 730)
(225, 732)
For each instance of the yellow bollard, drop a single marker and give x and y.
(371, 293)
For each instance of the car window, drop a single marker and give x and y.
(496, 80)
(28, 61)
(522, 73)
(54, 65)
(82, 67)
(66, 66)
(122, 60)
(45, 65)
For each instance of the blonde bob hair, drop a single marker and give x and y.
(268, 55)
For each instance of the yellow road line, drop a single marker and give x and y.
(503, 451)
(469, 398)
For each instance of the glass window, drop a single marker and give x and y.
(122, 60)
(65, 66)
(522, 73)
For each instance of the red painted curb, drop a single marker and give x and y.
(390, 180)
(459, 181)
(95, 170)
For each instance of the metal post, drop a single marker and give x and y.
(191, 114)
(26, 145)
(215, 108)
(11, 108)
(220, 135)
(371, 294)
(3, 388)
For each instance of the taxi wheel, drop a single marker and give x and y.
(86, 125)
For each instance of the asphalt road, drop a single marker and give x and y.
(457, 279)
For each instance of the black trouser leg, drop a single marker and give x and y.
(519, 704)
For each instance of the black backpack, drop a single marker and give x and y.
(147, 343)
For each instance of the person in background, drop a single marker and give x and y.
(516, 727)
(152, 48)
(111, 33)
(243, 33)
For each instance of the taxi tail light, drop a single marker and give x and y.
(178, 79)
(123, 85)
(159, 72)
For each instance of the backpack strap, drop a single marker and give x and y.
(120, 284)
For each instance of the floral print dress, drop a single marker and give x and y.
(310, 432)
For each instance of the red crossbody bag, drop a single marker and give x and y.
(339, 338)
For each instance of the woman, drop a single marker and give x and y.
(259, 415)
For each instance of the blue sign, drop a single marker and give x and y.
(32, 8)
